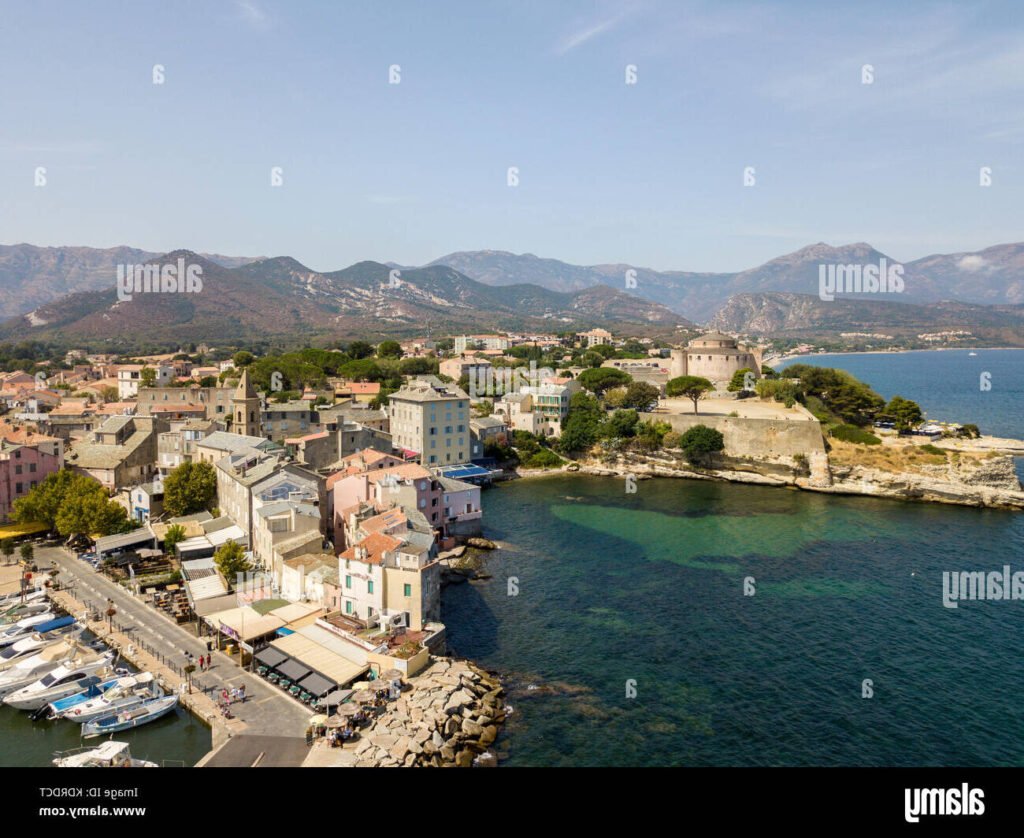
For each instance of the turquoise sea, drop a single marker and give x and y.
(629, 640)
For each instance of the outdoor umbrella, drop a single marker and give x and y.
(392, 675)
(363, 696)
(348, 710)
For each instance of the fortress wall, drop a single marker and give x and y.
(753, 437)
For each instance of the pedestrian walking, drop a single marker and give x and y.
(241, 693)
(201, 663)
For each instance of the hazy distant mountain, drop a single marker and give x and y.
(991, 276)
(280, 297)
(798, 315)
(32, 276)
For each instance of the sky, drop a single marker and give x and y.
(650, 173)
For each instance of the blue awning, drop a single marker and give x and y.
(51, 625)
(284, 632)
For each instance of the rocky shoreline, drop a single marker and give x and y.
(448, 715)
(990, 483)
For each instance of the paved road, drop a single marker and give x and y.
(267, 710)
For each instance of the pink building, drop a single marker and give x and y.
(22, 468)
(409, 486)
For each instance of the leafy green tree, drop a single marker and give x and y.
(189, 488)
(365, 369)
(44, 502)
(418, 366)
(739, 380)
(592, 359)
(359, 349)
(389, 349)
(904, 413)
(147, 376)
(768, 372)
(620, 425)
(91, 512)
(690, 386)
(230, 560)
(600, 379)
(582, 423)
(173, 537)
(640, 394)
(700, 441)
(7, 550)
(27, 553)
(242, 359)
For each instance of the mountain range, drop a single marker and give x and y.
(281, 298)
(67, 293)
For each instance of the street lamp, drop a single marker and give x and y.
(111, 611)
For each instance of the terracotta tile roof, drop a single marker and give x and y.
(375, 545)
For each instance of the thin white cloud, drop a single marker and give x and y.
(578, 39)
(252, 14)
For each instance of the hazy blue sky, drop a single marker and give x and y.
(650, 174)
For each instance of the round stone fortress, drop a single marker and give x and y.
(714, 356)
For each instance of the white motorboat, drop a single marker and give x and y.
(148, 711)
(72, 676)
(21, 611)
(129, 692)
(15, 598)
(43, 623)
(110, 754)
(31, 669)
(33, 644)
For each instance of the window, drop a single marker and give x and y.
(348, 580)
(348, 606)
(369, 586)
(17, 469)
(407, 589)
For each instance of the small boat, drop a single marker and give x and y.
(972, 354)
(32, 668)
(127, 693)
(108, 755)
(41, 624)
(10, 600)
(83, 671)
(148, 711)
(33, 644)
(29, 609)
(56, 709)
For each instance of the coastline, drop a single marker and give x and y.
(784, 358)
(992, 491)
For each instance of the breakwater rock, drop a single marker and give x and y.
(448, 715)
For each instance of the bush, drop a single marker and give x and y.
(545, 458)
(779, 389)
(700, 441)
(932, 449)
(851, 433)
(672, 440)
